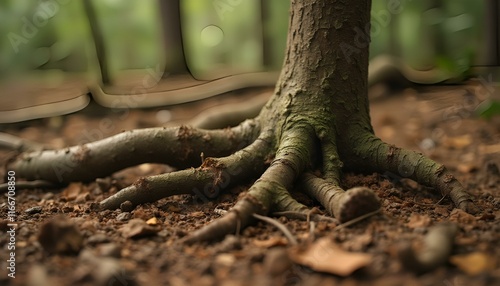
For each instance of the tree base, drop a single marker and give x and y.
(283, 157)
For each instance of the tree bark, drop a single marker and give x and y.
(315, 125)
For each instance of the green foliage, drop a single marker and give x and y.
(488, 108)
(426, 35)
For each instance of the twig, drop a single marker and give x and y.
(429, 205)
(39, 184)
(303, 216)
(279, 226)
(312, 226)
(356, 220)
(15, 143)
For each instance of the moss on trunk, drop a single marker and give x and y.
(316, 123)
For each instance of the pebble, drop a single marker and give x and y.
(123, 216)
(98, 238)
(110, 250)
(104, 270)
(136, 228)
(33, 210)
(60, 236)
(231, 242)
(127, 206)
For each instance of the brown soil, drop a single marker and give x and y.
(120, 248)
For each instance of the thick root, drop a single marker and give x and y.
(178, 147)
(270, 190)
(372, 154)
(214, 175)
(343, 205)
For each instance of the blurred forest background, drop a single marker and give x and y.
(237, 36)
(223, 37)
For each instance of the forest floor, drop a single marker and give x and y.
(142, 246)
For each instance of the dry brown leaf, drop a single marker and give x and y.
(460, 216)
(418, 220)
(72, 191)
(197, 214)
(359, 242)
(270, 242)
(325, 256)
(473, 263)
(173, 209)
(137, 228)
(458, 142)
(489, 149)
(152, 221)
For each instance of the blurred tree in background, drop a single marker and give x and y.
(223, 37)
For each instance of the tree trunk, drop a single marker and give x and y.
(325, 71)
(316, 123)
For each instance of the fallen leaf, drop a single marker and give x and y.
(489, 149)
(272, 241)
(466, 167)
(460, 216)
(473, 263)
(72, 191)
(225, 259)
(359, 242)
(197, 214)
(418, 220)
(152, 221)
(137, 228)
(458, 142)
(325, 256)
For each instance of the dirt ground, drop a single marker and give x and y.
(142, 246)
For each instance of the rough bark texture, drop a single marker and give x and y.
(317, 120)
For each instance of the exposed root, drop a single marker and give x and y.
(214, 175)
(270, 190)
(179, 147)
(343, 205)
(239, 216)
(438, 244)
(14, 143)
(374, 155)
(231, 114)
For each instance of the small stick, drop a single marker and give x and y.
(429, 205)
(15, 143)
(303, 216)
(312, 226)
(356, 220)
(279, 226)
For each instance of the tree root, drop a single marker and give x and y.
(213, 176)
(14, 143)
(372, 154)
(179, 147)
(344, 205)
